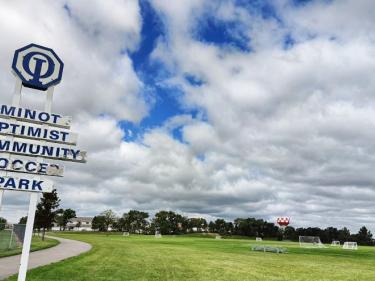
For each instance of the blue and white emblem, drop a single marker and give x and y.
(38, 67)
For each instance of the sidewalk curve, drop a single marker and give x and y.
(66, 249)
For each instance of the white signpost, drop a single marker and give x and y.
(28, 136)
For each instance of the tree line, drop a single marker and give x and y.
(169, 222)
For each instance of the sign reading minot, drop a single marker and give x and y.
(38, 67)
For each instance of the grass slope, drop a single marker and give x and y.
(115, 257)
(37, 244)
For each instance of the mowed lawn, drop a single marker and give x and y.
(115, 257)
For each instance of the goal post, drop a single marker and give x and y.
(310, 242)
(350, 246)
(335, 243)
(157, 234)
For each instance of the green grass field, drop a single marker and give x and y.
(179, 258)
(14, 249)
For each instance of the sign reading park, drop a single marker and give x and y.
(32, 142)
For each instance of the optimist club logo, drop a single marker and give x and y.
(38, 67)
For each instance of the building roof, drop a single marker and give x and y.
(82, 219)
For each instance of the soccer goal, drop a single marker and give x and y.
(350, 246)
(258, 239)
(126, 234)
(218, 237)
(335, 243)
(157, 234)
(310, 242)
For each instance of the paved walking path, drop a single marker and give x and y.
(66, 249)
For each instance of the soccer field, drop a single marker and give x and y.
(115, 257)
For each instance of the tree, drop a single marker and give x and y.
(98, 223)
(23, 220)
(168, 222)
(197, 224)
(255, 227)
(364, 237)
(59, 218)
(109, 218)
(220, 226)
(3, 222)
(64, 216)
(46, 211)
(344, 235)
(78, 225)
(134, 221)
(290, 233)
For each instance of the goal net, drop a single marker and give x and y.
(258, 239)
(335, 243)
(157, 234)
(350, 246)
(11, 236)
(310, 242)
(126, 234)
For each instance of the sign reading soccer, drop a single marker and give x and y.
(38, 67)
(28, 137)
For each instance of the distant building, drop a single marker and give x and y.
(80, 224)
(76, 224)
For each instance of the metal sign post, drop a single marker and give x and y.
(37, 134)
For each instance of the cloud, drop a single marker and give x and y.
(92, 41)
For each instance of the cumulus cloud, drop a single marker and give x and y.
(285, 118)
(92, 41)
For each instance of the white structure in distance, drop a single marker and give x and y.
(76, 224)
(126, 234)
(350, 246)
(157, 234)
(335, 243)
(258, 239)
(310, 242)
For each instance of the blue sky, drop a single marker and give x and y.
(165, 100)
